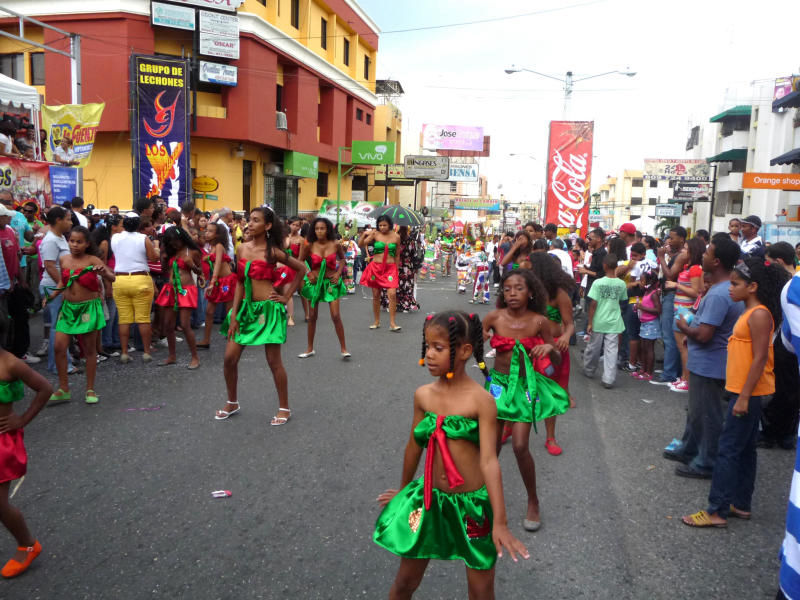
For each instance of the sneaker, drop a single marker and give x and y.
(627, 367)
(131, 350)
(31, 360)
(681, 386)
(162, 343)
(178, 339)
(673, 445)
(42, 351)
(113, 354)
(643, 376)
(660, 381)
(101, 358)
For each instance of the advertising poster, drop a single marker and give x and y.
(78, 122)
(65, 183)
(26, 180)
(452, 137)
(160, 128)
(569, 172)
(681, 169)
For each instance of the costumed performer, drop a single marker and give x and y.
(381, 272)
(221, 278)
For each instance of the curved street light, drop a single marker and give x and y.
(569, 80)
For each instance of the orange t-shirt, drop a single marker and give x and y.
(740, 357)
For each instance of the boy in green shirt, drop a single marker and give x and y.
(605, 322)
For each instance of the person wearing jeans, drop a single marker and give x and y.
(51, 309)
(671, 262)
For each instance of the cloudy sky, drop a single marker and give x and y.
(692, 60)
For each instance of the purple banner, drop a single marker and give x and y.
(160, 128)
(451, 137)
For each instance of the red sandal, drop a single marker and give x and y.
(14, 568)
(506, 433)
(552, 447)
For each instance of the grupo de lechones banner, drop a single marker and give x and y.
(160, 128)
(569, 170)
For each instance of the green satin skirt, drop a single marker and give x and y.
(323, 290)
(78, 318)
(457, 527)
(261, 322)
(517, 406)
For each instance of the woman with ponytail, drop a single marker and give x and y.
(519, 382)
(749, 383)
(258, 316)
(456, 510)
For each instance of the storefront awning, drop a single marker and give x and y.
(729, 156)
(788, 101)
(790, 158)
(743, 110)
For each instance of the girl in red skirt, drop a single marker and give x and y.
(222, 279)
(381, 272)
(180, 258)
(14, 376)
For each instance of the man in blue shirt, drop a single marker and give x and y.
(708, 354)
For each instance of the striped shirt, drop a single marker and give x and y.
(790, 550)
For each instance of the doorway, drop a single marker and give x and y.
(247, 182)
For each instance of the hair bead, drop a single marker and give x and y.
(450, 375)
(421, 362)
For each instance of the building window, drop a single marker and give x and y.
(671, 184)
(636, 183)
(366, 68)
(346, 57)
(323, 34)
(296, 14)
(13, 65)
(262, 2)
(322, 184)
(453, 187)
(37, 68)
(653, 183)
(279, 97)
(359, 114)
(652, 201)
(636, 201)
(369, 119)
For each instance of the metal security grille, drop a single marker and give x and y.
(281, 194)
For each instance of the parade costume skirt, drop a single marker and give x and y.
(261, 322)
(457, 526)
(519, 405)
(186, 300)
(380, 275)
(323, 290)
(78, 318)
(224, 290)
(13, 457)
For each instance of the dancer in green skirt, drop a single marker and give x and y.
(323, 282)
(456, 510)
(81, 312)
(520, 381)
(258, 315)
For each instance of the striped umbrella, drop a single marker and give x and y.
(399, 215)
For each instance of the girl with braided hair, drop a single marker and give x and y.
(519, 382)
(258, 316)
(456, 509)
(749, 383)
(559, 287)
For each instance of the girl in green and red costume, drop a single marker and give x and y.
(14, 376)
(381, 272)
(180, 258)
(293, 246)
(81, 312)
(221, 278)
(456, 510)
(323, 281)
(258, 315)
(519, 382)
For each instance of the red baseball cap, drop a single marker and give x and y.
(629, 228)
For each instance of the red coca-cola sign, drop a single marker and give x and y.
(569, 174)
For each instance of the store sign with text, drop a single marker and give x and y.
(451, 137)
(169, 15)
(372, 153)
(682, 169)
(219, 35)
(300, 165)
(463, 172)
(477, 204)
(226, 5)
(569, 173)
(26, 180)
(218, 73)
(771, 181)
(427, 167)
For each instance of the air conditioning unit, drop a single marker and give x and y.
(281, 124)
(272, 169)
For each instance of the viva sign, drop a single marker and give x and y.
(372, 153)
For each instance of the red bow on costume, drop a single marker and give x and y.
(454, 478)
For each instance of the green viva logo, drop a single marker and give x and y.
(377, 154)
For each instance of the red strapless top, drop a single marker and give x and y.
(506, 344)
(295, 248)
(181, 263)
(87, 280)
(260, 270)
(330, 260)
(213, 257)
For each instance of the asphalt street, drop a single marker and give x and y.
(120, 497)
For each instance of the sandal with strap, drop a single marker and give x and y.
(91, 397)
(278, 421)
(702, 519)
(224, 414)
(13, 567)
(552, 447)
(58, 397)
(739, 514)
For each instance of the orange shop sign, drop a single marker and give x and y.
(771, 181)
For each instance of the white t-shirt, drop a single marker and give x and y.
(84, 222)
(130, 254)
(7, 144)
(52, 248)
(65, 155)
(563, 257)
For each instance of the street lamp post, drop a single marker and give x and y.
(568, 81)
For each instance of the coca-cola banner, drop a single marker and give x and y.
(569, 173)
